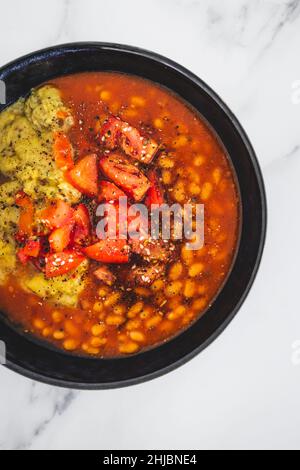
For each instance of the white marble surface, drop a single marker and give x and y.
(243, 391)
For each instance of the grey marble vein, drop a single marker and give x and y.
(64, 401)
(293, 153)
(289, 14)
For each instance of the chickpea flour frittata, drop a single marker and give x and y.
(92, 138)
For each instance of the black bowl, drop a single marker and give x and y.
(38, 360)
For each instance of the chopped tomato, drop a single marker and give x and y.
(39, 261)
(136, 146)
(63, 151)
(125, 175)
(116, 133)
(154, 195)
(82, 224)
(26, 218)
(109, 192)
(108, 251)
(111, 219)
(110, 132)
(22, 256)
(22, 200)
(60, 238)
(58, 264)
(31, 249)
(84, 176)
(57, 215)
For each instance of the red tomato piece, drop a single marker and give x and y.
(82, 221)
(111, 132)
(26, 218)
(31, 249)
(109, 192)
(63, 151)
(154, 195)
(60, 238)
(116, 133)
(84, 176)
(136, 146)
(22, 256)
(58, 264)
(57, 215)
(22, 200)
(109, 251)
(125, 175)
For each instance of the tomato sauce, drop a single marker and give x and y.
(193, 168)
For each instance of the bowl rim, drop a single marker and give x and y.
(234, 122)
